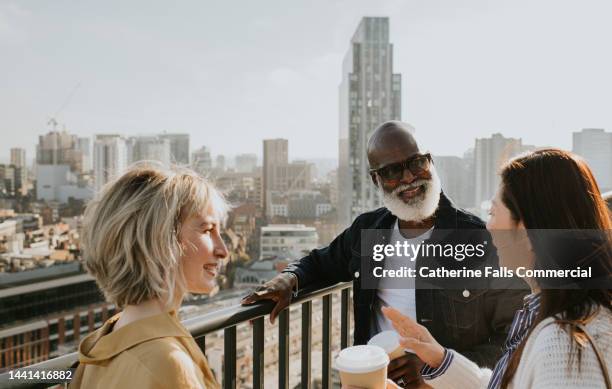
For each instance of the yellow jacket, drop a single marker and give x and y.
(155, 352)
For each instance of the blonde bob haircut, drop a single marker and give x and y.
(131, 229)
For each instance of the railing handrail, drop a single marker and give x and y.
(198, 326)
(236, 314)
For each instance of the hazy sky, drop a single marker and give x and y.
(231, 73)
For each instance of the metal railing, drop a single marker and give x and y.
(228, 319)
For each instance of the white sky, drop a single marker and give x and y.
(232, 73)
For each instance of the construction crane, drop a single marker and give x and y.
(53, 121)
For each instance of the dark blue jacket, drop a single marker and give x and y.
(474, 322)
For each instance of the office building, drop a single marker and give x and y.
(595, 146)
(201, 161)
(287, 240)
(149, 148)
(59, 148)
(370, 94)
(489, 155)
(240, 188)
(246, 163)
(455, 178)
(10, 178)
(84, 145)
(18, 161)
(18, 157)
(220, 164)
(275, 153)
(46, 319)
(179, 148)
(298, 205)
(281, 176)
(110, 158)
(59, 183)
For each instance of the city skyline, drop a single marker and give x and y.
(272, 104)
(5, 156)
(466, 73)
(60, 153)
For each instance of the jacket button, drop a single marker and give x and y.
(356, 274)
(466, 293)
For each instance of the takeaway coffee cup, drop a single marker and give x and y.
(364, 366)
(389, 341)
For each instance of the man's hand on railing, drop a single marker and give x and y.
(278, 289)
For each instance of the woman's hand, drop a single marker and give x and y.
(416, 337)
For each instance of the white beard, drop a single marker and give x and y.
(421, 207)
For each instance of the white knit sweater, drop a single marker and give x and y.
(545, 362)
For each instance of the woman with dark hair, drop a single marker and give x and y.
(547, 214)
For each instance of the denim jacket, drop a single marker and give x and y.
(473, 322)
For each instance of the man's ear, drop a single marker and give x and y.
(374, 180)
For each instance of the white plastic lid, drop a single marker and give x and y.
(361, 359)
(388, 340)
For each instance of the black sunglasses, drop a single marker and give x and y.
(395, 171)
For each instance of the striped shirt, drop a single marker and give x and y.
(523, 319)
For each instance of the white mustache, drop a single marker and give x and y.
(411, 186)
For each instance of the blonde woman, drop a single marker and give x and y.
(152, 236)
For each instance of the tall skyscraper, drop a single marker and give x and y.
(201, 161)
(275, 153)
(489, 155)
(370, 94)
(110, 158)
(18, 157)
(179, 148)
(595, 146)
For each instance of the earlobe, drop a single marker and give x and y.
(521, 227)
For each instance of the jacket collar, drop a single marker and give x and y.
(105, 343)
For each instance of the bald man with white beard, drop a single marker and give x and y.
(474, 322)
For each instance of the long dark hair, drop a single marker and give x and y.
(552, 189)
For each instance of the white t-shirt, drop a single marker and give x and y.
(401, 299)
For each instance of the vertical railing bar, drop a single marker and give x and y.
(229, 358)
(306, 344)
(345, 319)
(258, 353)
(326, 347)
(201, 341)
(283, 349)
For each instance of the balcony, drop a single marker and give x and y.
(228, 319)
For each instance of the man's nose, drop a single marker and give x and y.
(407, 176)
